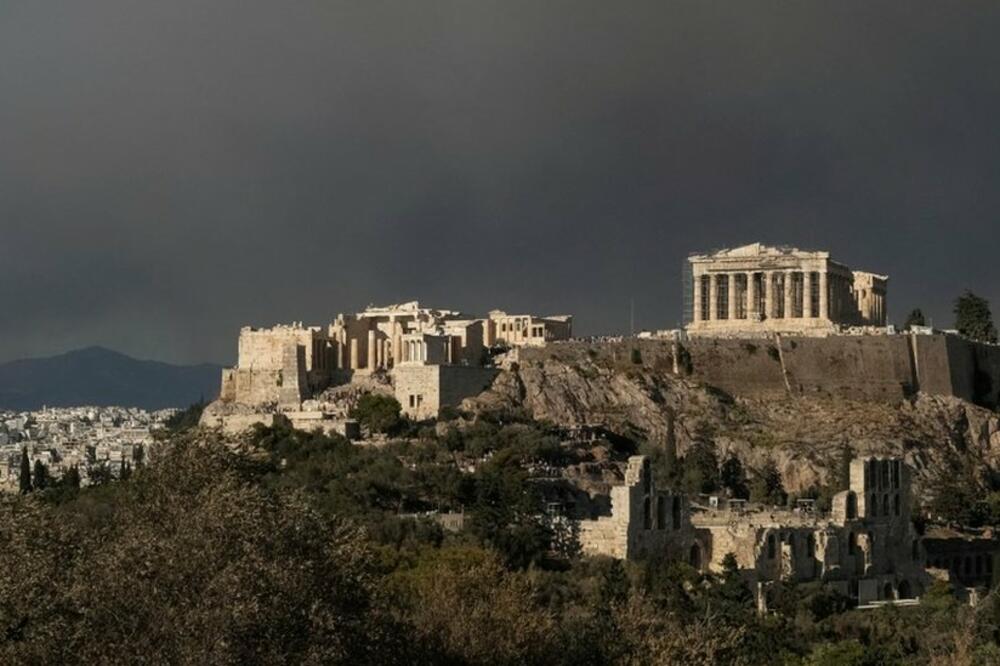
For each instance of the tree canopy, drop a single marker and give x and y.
(973, 318)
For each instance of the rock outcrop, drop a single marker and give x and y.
(804, 435)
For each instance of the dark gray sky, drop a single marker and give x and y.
(171, 170)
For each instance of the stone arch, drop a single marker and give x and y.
(852, 506)
(694, 556)
(903, 590)
(887, 591)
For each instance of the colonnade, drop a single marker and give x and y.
(774, 294)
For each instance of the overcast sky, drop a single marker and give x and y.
(172, 170)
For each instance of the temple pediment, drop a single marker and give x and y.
(761, 250)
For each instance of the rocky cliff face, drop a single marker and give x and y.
(803, 435)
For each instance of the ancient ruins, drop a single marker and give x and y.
(866, 547)
(427, 358)
(758, 289)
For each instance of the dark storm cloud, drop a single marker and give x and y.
(172, 170)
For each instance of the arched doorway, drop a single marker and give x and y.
(904, 591)
(694, 557)
(887, 591)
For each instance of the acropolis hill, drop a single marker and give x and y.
(820, 344)
(761, 322)
(778, 364)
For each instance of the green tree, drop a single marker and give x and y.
(973, 318)
(734, 478)
(71, 479)
(282, 582)
(24, 478)
(379, 413)
(766, 487)
(40, 476)
(915, 318)
(99, 474)
(186, 418)
(506, 514)
(701, 469)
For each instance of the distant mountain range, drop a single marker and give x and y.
(99, 376)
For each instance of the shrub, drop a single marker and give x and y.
(379, 413)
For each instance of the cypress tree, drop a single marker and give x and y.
(40, 476)
(25, 476)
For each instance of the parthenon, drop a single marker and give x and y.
(759, 289)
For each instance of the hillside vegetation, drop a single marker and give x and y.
(289, 547)
(804, 436)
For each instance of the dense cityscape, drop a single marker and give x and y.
(98, 442)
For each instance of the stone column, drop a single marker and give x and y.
(354, 353)
(807, 282)
(824, 296)
(751, 295)
(713, 297)
(788, 294)
(731, 301)
(371, 354)
(768, 294)
(696, 314)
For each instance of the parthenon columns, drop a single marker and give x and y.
(807, 294)
(824, 296)
(788, 294)
(731, 298)
(769, 309)
(752, 297)
(713, 297)
(696, 315)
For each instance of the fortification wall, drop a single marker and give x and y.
(864, 367)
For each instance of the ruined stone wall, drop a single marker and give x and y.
(423, 390)
(460, 382)
(256, 387)
(644, 522)
(417, 388)
(227, 393)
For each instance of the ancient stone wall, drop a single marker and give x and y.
(460, 382)
(423, 390)
(864, 367)
(644, 522)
